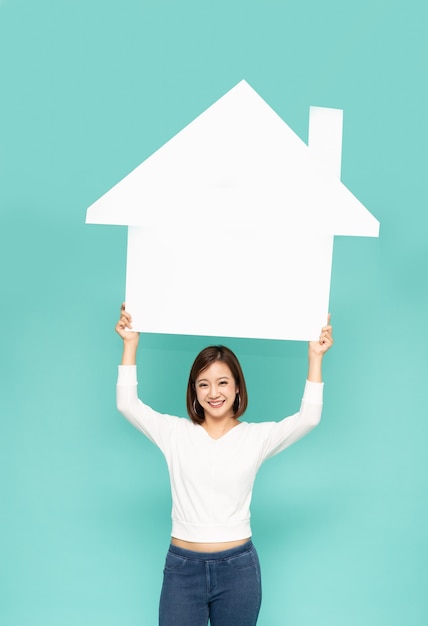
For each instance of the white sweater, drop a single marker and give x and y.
(212, 479)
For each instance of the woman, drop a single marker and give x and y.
(212, 571)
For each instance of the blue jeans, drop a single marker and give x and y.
(223, 587)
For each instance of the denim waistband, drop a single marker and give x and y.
(211, 556)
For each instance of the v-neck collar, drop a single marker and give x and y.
(222, 436)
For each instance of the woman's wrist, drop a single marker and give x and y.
(315, 368)
(129, 354)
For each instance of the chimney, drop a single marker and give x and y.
(325, 138)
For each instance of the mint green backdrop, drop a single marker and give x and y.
(90, 88)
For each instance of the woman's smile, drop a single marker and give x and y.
(216, 404)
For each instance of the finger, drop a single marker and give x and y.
(124, 313)
(123, 322)
(326, 336)
(126, 316)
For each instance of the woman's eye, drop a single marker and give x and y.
(223, 382)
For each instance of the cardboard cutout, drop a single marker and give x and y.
(232, 222)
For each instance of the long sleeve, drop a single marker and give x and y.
(156, 426)
(282, 434)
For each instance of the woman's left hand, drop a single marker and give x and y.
(320, 347)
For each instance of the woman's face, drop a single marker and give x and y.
(216, 391)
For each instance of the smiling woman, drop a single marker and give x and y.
(213, 459)
(216, 388)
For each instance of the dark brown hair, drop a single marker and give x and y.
(205, 358)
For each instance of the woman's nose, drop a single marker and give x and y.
(214, 392)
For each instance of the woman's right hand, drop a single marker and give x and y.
(124, 327)
(130, 338)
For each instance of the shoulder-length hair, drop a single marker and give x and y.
(204, 359)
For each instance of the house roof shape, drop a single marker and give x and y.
(240, 163)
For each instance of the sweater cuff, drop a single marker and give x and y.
(313, 392)
(127, 375)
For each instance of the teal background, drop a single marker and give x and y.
(88, 90)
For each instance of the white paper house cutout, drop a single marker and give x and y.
(232, 221)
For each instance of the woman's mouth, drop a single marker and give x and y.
(217, 404)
